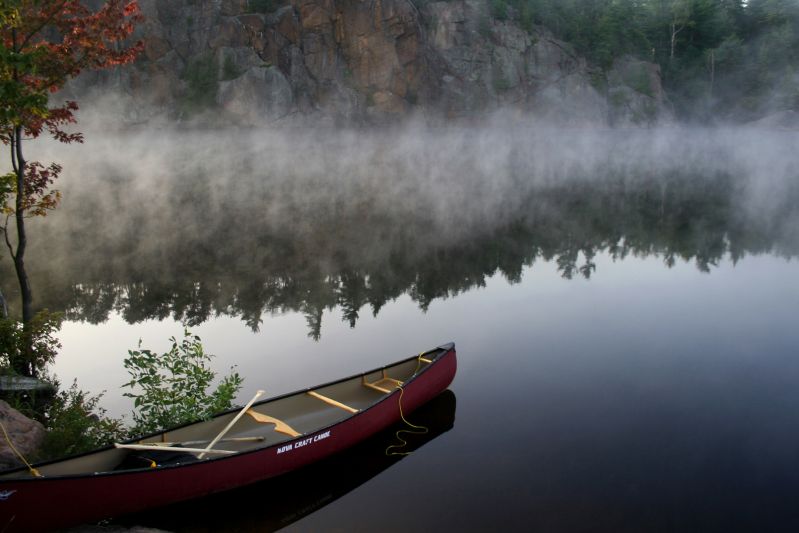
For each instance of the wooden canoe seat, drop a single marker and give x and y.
(280, 426)
(331, 401)
(383, 384)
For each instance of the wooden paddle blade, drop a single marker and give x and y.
(280, 426)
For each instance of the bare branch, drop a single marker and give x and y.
(8, 241)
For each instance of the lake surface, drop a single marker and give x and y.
(624, 306)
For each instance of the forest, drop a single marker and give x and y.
(733, 58)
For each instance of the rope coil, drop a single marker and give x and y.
(415, 430)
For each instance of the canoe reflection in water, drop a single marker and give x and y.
(276, 503)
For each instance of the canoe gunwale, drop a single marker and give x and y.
(440, 351)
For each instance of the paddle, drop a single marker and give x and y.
(164, 448)
(230, 425)
(204, 441)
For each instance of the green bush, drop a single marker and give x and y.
(501, 84)
(639, 81)
(526, 18)
(173, 387)
(27, 350)
(499, 9)
(202, 84)
(229, 69)
(76, 424)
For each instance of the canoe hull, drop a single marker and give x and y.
(46, 503)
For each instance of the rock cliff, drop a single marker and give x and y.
(259, 61)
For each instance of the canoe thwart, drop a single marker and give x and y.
(280, 426)
(331, 401)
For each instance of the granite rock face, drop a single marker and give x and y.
(635, 95)
(26, 435)
(365, 61)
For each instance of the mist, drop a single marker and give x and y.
(456, 179)
(195, 222)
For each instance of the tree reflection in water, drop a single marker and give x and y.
(355, 255)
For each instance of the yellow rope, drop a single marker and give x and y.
(33, 471)
(416, 430)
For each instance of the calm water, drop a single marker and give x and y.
(624, 308)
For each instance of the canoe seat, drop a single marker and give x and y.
(280, 426)
(386, 385)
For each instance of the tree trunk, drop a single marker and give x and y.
(674, 32)
(22, 237)
(673, 40)
(22, 363)
(3, 306)
(712, 73)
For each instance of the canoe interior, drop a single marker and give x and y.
(300, 411)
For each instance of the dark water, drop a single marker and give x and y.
(626, 324)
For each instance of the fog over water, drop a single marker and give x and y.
(160, 187)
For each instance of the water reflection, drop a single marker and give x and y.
(354, 257)
(274, 504)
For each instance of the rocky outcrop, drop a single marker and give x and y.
(255, 62)
(489, 64)
(26, 435)
(635, 95)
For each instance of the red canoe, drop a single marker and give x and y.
(265, 439)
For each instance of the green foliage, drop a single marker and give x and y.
(18, 98)
(8, 188)
(526, 18)
(262, 6)
(714, 55)
(229, 69)
(29, 349)
(173, 386)
(638, 80)
(484, 27)
(201, 84)
(75, 423)
(499, 9)
(501, 84)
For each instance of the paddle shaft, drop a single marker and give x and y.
(204, 441)
(230, 425)
(163, 448)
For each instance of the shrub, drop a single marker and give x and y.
(526, 18)
(76, 424)
(229, 69)
(499, 9)
(173, 386)
(27, 350)
(201, 83)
